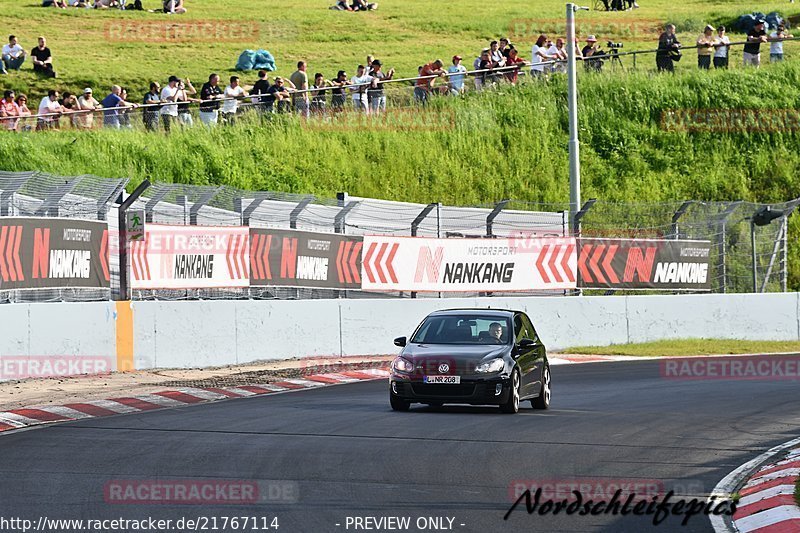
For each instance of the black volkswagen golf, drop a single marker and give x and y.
(472, 356)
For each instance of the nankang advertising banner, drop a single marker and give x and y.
(290, 258)
(644, 264)
(190, 257)
(457, 265)
(46, 253)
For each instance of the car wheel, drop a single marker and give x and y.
(398, 404)
(511, 406)
(543, 401)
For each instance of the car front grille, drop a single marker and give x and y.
(435, 389)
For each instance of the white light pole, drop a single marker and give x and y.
(572, 97)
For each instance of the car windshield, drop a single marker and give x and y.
(462, 329)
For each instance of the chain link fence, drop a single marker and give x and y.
(749, 241)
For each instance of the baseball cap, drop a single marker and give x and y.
(377, 62)
(457, 57)
(760, 21)
(709, 27)
(87, 90)
(591, 39)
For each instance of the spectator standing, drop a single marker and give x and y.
(184, 98)
(488, 78)
(151, 110)
(776, 44)
(24, 113)
(43, 59)
(260, 89)
(169, 96)
(210, 94)
(51, 109)
(13, 55)
(318, 97)
(539, 56)
(457, 73)
(87, 105)
(752, 50)
(476, 65)
(299, 79)
(124, 114)
(425, 82)
(668, 46)
(505, 46)
(514, 61)
(278, 93)
(592, 57)
(112, 105)
(358, 89)
(721, 48)
(338, 96)
(375, 92)
(496, 55)
(705, 47)
(558, 53)
(9, 110)
(230, 106)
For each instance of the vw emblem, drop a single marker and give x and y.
(444, 368)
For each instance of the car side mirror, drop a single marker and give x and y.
(525, 344)
(400, 341)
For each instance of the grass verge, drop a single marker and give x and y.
(690, 347)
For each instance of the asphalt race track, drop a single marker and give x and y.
(346, 454)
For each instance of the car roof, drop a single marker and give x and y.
(475, 310)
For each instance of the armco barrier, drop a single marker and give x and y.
(211, 333)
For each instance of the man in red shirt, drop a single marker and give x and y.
(9, 111)
(425, 82)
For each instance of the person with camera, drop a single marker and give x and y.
(592, 56)
(669, 49)
(705, 47)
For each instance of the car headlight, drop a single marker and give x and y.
(494, 365)
(403, 365)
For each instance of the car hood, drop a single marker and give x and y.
(460, 358)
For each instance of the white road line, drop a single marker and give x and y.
(240, 392)
(304, 382)
(339, 377)
(161, 400)
(16, 420)
(768, 518)
(66, 411)
(777, 490)
(114, 406)
(774, 475)
(204, 394)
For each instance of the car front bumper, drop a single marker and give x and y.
(471, 390)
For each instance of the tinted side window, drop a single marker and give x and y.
(519, 328)
(531, 333)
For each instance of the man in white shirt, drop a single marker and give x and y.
(558, 52)
(169, 113)
(13, 54)
(87, 103)
(231, 103)
(49, 106)
(721, 48)
(776, 44)
(457, 74)
(359, 85)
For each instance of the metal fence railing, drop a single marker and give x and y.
(745, 257)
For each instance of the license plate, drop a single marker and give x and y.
(448, 380)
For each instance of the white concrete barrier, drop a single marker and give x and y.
(212, 333)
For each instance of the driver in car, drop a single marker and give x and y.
(496, 332)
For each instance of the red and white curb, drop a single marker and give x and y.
(22, 418)
(766, 503)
